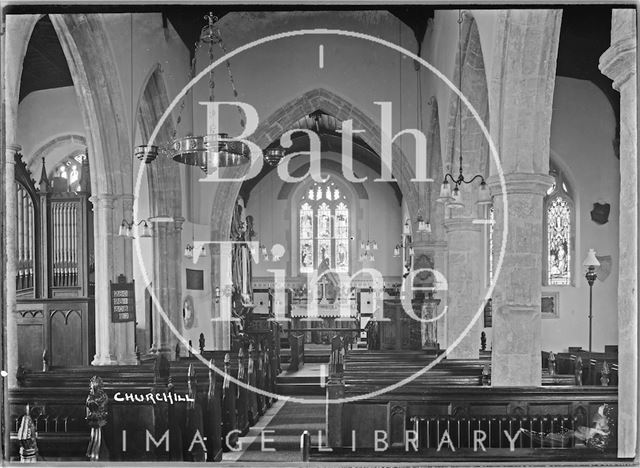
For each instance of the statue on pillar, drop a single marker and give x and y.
(429, 329)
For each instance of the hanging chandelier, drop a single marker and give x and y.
(274, 155)
(423, 226)
(447, 194)
(208, 152)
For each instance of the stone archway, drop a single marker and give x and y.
(165, 198)
(271, 128)
(473, 84)
(465, 252)
(97, 84)
(283, 119)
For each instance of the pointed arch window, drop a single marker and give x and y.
(559, 227)
(71, 168)
(323, 229)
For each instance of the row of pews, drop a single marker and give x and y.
(158, 410)
(381, 405)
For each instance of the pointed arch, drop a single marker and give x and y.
(284, 118)
(164, 187)
(85, 44)
(470, 76)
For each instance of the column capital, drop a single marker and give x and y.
(103, 200)
(434, 246)
(521, 183)
(461, 224)
(618, 62)
(14, 148)
(178, 221)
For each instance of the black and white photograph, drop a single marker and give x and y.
(319, 233)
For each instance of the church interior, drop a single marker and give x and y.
(251, 234)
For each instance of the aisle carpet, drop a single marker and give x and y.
(289, 423)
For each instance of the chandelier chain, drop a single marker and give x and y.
(231, 79)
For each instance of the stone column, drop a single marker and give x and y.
(103, 213)
(114, 342)
(619, 63)
(515, 357)
(167, 285)
(520, 99)
(10, 280)
(436, 256)
(465, 280)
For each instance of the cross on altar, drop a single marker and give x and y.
(323, 284)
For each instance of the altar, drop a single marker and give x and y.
(324, 322)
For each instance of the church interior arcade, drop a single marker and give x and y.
(421, 219)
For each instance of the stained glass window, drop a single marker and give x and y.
(559, 217)
(324, 228)
(306, 237)
(559, 241)
(341, 233)
(71, 169)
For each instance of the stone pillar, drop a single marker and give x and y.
(465, 280)
(114, 342)
(619, 63)
(10, 280)
(103, 209)
(515, 357)
(167, 285)
(430, 253)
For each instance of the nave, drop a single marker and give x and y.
(319, 233)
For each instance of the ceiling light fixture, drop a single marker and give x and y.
(453, 196)
(208, 152)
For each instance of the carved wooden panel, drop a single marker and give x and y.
(66, 338)
(30, 345)
(63, 327)
(397, 424)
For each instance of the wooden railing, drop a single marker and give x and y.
(296, 344)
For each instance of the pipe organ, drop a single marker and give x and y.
(64, 238)
(54, 274)
(25, 242)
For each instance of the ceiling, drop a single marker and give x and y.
(45, 65)
(327, 127)
(584, 36)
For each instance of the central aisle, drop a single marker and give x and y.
(288, 423)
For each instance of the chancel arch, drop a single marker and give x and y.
(284, 119)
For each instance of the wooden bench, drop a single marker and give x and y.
(422, 408)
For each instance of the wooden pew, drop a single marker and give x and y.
(410, 408)
(296, 344)
(64, 434)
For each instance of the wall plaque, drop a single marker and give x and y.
(195, 279)
(123, 301)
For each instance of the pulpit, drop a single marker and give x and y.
(399, 331)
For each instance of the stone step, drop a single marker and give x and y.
(301, 388)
